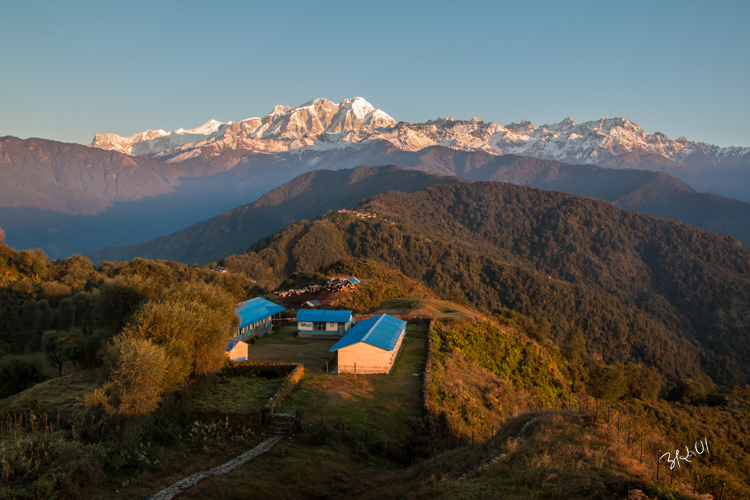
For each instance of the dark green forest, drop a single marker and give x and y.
(642, 289)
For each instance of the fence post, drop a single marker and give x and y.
(722, 491)
(630, 424)
(641, 445)
(658, 460)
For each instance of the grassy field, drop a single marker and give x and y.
(426, 308)
(57, 394)
(382, 408)
(237, 394)
(380, 404)
(283, 346)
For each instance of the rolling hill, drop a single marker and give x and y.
(307, 196)
(313, 194)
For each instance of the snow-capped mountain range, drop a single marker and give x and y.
(323, 125)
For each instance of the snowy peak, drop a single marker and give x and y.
(294, 127)
(321, 125)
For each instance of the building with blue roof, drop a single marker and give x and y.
(323, 324)
(255, 317)
(236, 349)
(371, 346)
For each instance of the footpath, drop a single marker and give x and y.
(185, 484)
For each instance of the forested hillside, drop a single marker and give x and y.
(307, 196)
(640, 288)
(314, 193)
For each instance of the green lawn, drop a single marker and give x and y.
(308, 466)
(238, 394)
(381, 405)
(57, 394)
(283, 346)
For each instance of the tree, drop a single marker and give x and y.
(36, 317)
(643, 383)
(575, 349)
(137, 381)
(120, 297)
(77, 270)
(607, 382)
(193, 321)
(166, 341)
(82, 350)
(33, 263)
(53, 343)
(55, 291)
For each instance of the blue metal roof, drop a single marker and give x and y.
(232, 343)
(381, 331)
(255, 310)
(324, 315)
(353, 281)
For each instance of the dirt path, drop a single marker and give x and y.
(184, 484)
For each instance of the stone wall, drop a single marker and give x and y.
(286, 387)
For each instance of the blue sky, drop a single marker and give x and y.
(70, 69)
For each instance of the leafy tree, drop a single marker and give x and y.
(192, 319)
(55, 291)
(36, 317)
(24, 286)
(82, 349)
(76, 272)
(33, 263)
(53, 343)
(120, 297)
(575, 349)
(607, 382)
(136, 383)
(643, 383)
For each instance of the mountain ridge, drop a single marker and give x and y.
(314, 125)
(653, 193)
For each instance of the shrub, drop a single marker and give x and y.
(138, 379)
(18, 373)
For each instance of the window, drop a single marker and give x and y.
(319, 325)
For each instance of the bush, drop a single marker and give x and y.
(138, 379)
(18, 373)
